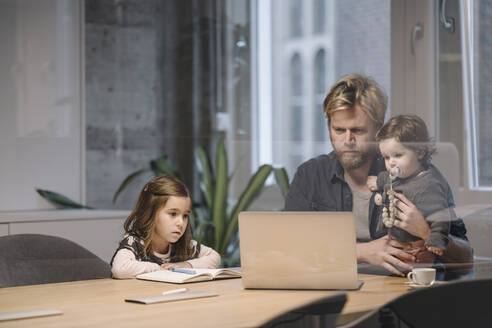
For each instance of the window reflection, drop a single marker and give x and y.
(296, 99)
(483, 94)
(296, 18)
(319, 93)
(319, 16)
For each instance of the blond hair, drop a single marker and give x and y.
(141, 221)
(355, 89)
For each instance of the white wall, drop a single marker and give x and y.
(40, 102)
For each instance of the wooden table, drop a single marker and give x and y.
(100, 303)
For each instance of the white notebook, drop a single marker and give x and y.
(170, 298)
(181, 278)
(28, 314)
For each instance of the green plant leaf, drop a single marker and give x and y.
(206, 175)
(205, 233)
(282, 179)
(252, 191)
(59, 200)
(219, 205)
(204, 229)
(161, 166)
(127, 181)
(232, 258)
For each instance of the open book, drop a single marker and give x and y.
(199, 275)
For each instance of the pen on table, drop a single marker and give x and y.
(183, 270)
(175, 291)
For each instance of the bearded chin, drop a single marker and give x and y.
(352, 162)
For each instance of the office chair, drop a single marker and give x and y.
(463, 303)
(29, 259)
(321, 313)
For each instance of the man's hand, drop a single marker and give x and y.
(385, 252)
(417, 249)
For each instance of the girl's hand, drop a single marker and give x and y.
(412, 220)
(372, 183)
(167, 266)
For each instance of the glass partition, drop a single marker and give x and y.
(166, 82)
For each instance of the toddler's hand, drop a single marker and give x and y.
(371, 183)
(167, 266)
(435, 250)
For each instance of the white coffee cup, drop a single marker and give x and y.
(422, 276)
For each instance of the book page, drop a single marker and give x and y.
(220, 273)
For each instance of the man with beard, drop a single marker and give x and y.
(355, 108)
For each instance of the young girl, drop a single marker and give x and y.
(405, 146)
(158, 234)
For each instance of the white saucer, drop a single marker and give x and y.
(414, 285)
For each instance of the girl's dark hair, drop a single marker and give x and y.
(411, 131)
(151, 199)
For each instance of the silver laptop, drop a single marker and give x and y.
(298, 250)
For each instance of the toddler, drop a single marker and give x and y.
(406, 148)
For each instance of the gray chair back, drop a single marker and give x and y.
(463, 303)
(320, 313)
(29, 259)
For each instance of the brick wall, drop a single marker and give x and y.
(123, 98)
